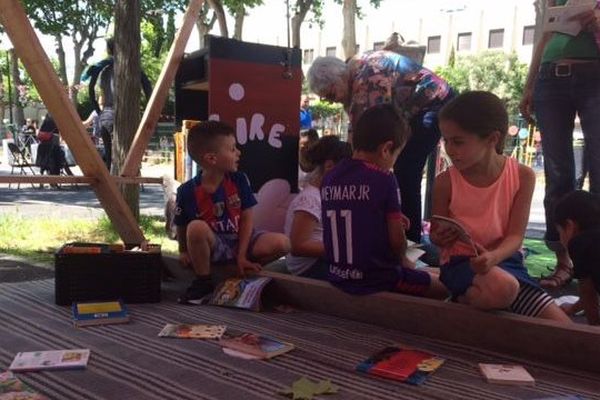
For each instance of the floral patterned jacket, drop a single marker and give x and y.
(386, 77)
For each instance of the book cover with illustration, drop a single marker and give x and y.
(506, 374)
(263, 347)
(11, 388)
(463, 235)
(192, 331)
(411, 366)
(561, 18)
(52, 359)
(239, 293)
(99, 313)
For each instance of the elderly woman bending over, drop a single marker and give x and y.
(385, 77)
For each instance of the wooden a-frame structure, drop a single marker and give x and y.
(30, 51)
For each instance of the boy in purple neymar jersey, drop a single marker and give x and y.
(363, 227)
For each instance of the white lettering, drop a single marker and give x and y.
(275, 135)
(241, 131)
(345, 193)
(256, 124)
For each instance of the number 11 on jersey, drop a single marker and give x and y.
(346, 215)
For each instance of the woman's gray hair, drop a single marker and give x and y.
(324, 72)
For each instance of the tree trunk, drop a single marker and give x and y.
(204, 24)
(217, 6)
(127, 89)
(62, 63)
(349, 38)
(302, 7)
(81, 61)
(19, 116)
(239, 22)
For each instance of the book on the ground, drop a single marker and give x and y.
(238, 293)
(411, 366)
(52, 359)
(506, 374)
(561, 18)
(463, 234)
(11, 388)
(256, 345)
(192, 331)
(99, 313)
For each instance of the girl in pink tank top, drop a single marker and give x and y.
(489, 195)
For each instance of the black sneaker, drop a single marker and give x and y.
(199, 289)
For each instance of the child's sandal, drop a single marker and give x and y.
(562, 275)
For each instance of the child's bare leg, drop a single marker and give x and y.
(494, 290)
(200, 239)
(269, 247)
(554, 313)
(436, 290)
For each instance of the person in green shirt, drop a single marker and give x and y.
(564, 81)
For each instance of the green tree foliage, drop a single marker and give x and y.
(498, 72)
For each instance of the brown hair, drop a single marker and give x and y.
(480, 113)
(203, 138)
(327, 148)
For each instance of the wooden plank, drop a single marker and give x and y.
(76, 179)
(161, 91)
(54, 96)
(574, 346)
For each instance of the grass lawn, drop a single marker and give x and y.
(38, 239)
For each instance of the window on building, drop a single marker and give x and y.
(528, 32)
(464, 42)
(309, 55)
(496, 39)
(378, 45)
(330, 51)
(434, 44)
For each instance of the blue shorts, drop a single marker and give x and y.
(412, 281)
(457, 274)
(225, 249)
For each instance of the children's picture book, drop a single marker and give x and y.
(239, 293)
(463, 234)
(192, 331)
(413, 251)
(407, 365)
(11, 388)
(52, 359)
(263, 347)
(99, 313)
(561, 18)
(506, 374)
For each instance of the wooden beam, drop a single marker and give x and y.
(75, 179)
(161, 91)
(54, 96)
(574, 346)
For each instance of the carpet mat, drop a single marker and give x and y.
(129, 361)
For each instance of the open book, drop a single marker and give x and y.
(463, 234)
(560, 19)
(52, 359)
(238, 293)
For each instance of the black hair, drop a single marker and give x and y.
(581, 207)
(480, 113)
(377, 125)
(311, 134)
(202, 138)
(327, 148)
